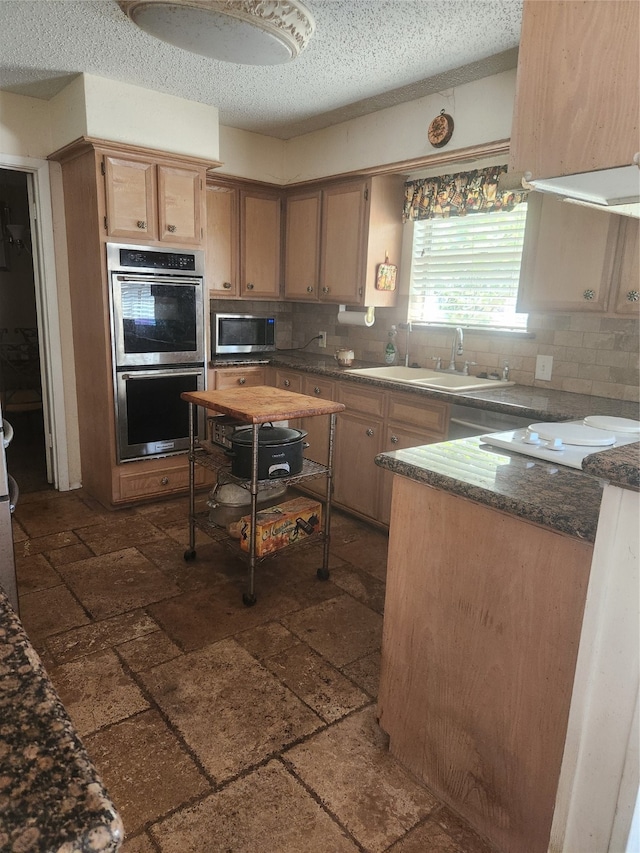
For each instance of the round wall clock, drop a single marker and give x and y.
(440, 130)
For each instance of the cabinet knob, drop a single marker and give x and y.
(316, 390)
(171, 229)
(141, 223)
(241, 381)
(286, 383)
(164, 481)
(309, 289)
(226, 285)
(250, 286)
(588, 295)
(633, 296)
(369, 432)
(325, 290)
(394, 439)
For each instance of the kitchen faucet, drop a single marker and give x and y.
(406, 327)
(456, 347)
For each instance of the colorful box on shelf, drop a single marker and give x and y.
(281, 525)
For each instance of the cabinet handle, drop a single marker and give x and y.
(250, 287)
(633, 296)
(241, 381)
(316, 390)
(369, 432)
(226, 285)
(394, 439)
(286, 383)
(164, 481)
(141, 223)
(309, 289)
(171, 228)
(589, 294)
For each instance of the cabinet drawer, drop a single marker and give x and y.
(314, 387)
(288, 381)
(234, 377)
(360, 399)
(161, 481)
(429, 415)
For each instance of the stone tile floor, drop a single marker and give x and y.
(218, 727)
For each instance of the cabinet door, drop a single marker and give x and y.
(180, 201)
(317, 429)
(302, 247)
(342, 253)
(359, 438)
(260, 240)
(567, 258)
(130, 194)
(398, 437)
(572, 112)
(236, 377)
(627, 276)
(221, 242)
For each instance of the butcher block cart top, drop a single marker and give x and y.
(258, 405)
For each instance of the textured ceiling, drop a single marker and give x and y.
(365, 55)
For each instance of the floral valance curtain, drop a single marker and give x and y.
(459, 194)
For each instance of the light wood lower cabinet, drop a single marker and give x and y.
(317, 428)
(481, 631)
(236, 377)
(152, 478)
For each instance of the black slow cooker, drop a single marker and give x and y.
(279, 451)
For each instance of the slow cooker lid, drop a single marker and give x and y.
(268, 435)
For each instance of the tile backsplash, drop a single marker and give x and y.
(592, 353)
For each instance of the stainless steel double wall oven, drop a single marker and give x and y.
(158, 345)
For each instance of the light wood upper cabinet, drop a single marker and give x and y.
(222, 253)
(626, 278)
(180, 203)
(260, 244)
(148, 201)
(576, 107)
(302, 246)
(568, 256)
(131, 198)
(337, 235)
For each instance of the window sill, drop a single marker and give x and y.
(520, 334)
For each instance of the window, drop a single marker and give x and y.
(465, 270)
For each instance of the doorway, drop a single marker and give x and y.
(21, 373)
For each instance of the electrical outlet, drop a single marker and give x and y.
(544, 366)
(322, 343)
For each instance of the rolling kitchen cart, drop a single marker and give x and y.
(255, 406)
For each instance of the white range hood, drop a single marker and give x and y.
(616, 190)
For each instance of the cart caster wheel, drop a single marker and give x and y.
(248, 600)
(189, 555)
(323, 574)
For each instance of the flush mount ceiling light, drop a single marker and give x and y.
(248, 32)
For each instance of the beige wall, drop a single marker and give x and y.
(25, 129)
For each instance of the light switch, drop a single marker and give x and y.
(544, 366)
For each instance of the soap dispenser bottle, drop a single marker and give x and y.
(391, 350)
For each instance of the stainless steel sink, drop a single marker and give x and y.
(436, 379)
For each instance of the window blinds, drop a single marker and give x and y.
(465, 270)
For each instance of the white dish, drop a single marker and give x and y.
(572, 433)
(626, 425)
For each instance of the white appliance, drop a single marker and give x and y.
(568, 442)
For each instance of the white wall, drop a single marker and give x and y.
(252, 156)
(108, 109)
(25, 129)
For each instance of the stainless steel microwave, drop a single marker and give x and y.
(238, 333)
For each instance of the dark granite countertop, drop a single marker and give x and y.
(51, 798)
(554, 496)
(521, 400)
(620, 465)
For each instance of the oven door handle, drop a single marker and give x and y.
(159, 279)
(161, 372)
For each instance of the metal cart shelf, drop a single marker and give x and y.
(255, 406)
